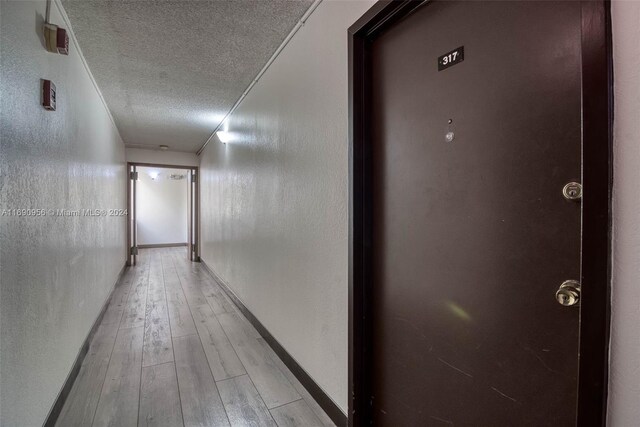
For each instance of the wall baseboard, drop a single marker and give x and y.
(56, 409)
(333, 411)
(162, 245)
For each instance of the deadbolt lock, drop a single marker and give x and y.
(569, 293)
(572, 191)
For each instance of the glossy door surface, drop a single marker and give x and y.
(472, 236)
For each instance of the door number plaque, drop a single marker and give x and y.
(450, 59)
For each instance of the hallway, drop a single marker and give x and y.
(319, 213)
(172, 349)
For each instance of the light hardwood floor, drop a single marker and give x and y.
(173, 350)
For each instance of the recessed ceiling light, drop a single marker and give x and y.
(163, 147)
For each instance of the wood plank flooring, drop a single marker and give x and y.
(173, 350)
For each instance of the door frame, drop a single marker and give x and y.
(131, 254)
(193, 197)
(597, 118)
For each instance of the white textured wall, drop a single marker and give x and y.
(55, 272)
(174, 158)
(275, 199)
(624, 382)
(162, 207)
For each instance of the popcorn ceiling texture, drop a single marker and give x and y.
(55, 273)
(171, 70)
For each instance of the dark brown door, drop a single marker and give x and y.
(471, 234)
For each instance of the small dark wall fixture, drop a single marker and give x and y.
(56, 38)
(48, 95)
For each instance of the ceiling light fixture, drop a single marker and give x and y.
(223, 136)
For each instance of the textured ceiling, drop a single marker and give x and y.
(171, 70)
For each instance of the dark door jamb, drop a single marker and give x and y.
(597, 110)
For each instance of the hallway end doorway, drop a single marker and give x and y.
(163, 205)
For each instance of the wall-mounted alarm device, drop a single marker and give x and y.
(56, 38)
(48, 95)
